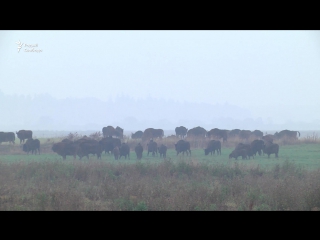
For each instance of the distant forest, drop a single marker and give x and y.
(44, 112)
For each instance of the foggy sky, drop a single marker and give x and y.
(272, 74)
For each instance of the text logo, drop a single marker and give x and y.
(19, 45)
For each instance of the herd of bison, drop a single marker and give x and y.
(111, 142)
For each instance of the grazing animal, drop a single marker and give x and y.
(138, 149)
(151, 133)
(271, 148)
(247, 147)
(237, 153)
(116, 152)
(181, 131)
(24, 134)
(137, 135)
(119, 132)
(287, 134)
(234, 133)
(109, 143)
(197, 132)
(245, 134)
(152, 147)
(162, 151)
(182, 146)
(268, 138)
(65, 148)
(258, 134)
(124, 151)
(87, 147)
(218, 134)
(213, 146)
(7, 137)
(32, 145)
(257, 146)
(113, 132)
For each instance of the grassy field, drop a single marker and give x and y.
(303, 155)
(177, 183)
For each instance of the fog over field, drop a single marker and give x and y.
(85, 80)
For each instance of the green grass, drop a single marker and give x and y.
(303, 155)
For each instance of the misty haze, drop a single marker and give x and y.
(160, 120)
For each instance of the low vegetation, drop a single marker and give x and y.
(176, 183)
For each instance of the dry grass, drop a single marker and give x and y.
(59, 186)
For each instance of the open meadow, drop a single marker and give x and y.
(196, 182)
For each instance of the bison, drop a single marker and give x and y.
(7, 137)
(287, 134)
(213, 146)
(162, 151)
(124, 150)
(197, 132)
(245, 134)
(182, 146)
(65, 148)
(268, 138)
(109, 143)
(234, 133)
(32, 145)
(24, 134)
(237, 153)
(87, 147)
(151, 133)
(138, 149)
(271, 148)
(218, 134)
(137, 135)
(247, 147)
(181, 131)
(152, 147)
(257, 146)
(258, 134)
(116, 152)
(119, 132)
(113, 132)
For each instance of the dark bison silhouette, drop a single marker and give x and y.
(213, 146)
(109, 143)
(234, 133)
(65, 148)
(218, 134)
(245, 134)
(287, 134)
(162, 150)
(137, 135)
(271, 148)
(113, 132)
(139, 149)
(182, 146)
(258, 134)
(181, 131)
(247, 147)
(24, 134)
(197, 132)
(151, 133)
(257, 146)
(268, 138)
(124, 151)
(116, 152)
(237, 153)
(87, 147)
(7, 137)
(32, 145)
(152, 147)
